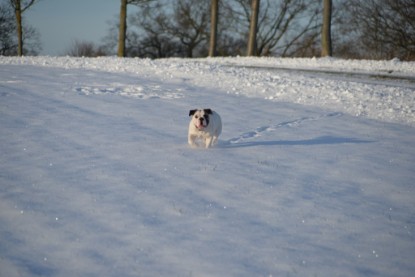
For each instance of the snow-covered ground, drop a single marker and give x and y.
(365, 96)
(313, 175)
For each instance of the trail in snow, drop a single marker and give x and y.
(257, 132)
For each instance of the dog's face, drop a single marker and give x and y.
(200, 118)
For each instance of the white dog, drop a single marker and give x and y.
(204, 128)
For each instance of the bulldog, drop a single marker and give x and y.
(204, 128)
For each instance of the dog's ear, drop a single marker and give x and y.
(208, 111)
(192, 112)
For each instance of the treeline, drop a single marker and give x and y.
(16, 39)
(360, 29)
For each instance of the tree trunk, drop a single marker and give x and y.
(213, 27)
(18, 13)
(253, 28)
(326, 47)
(122, 29)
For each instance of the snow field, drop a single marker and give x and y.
(387, 101)
(97, 178)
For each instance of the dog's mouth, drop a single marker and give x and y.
(201, 123)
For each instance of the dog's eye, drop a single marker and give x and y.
(196, 116)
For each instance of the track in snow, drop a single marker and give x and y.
(270, 128)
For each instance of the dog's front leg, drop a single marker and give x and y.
(208, 142)
(214, 140)
(192, 140)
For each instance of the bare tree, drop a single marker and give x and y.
(190, 25)
(20, 6)
(378, 29)
(7, 31)
(85, 49)
(214, 6)
(123, 23)
(31, 41)
(8, 38)
(282, 24)
(180, 28)
(185, 22)
(151, 39)
(253, 27)
(326, 47)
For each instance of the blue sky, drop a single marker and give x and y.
(61, 22)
